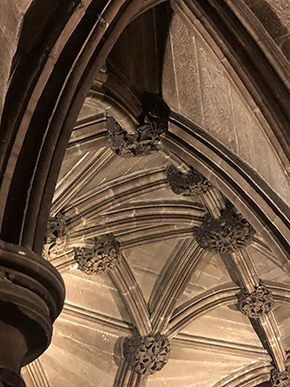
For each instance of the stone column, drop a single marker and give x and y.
(31, 297)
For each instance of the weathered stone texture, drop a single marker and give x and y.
(206, 95)
(274, 16)
(185, 71)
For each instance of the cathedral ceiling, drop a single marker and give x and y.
(161, 277)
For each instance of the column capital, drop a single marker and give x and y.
(10, 379)
(31, 296)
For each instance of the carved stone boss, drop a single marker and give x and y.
(228, 233)
(147, 354)
(101, 257)
(280, 378)
(146, 139)
(255, 304)
(55, 238)
(187, 184)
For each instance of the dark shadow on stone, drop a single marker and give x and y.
(118, 351)
(271, 22)
(137, 58)
(265, 384)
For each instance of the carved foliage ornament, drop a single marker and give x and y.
(146, 139)
(230, 232)
(187, 184)
(147, 354)
(280, 378)
(101, 257)
(55, 237)
(255, 304)
(10, 379)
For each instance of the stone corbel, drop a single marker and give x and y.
(56, 238)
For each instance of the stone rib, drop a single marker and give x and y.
(140, 217)
(173, 281)
(77, 178)
(37, 374)
(124, 280)
(126, 377)
(248, 376)
(80, 315)
(115, 192)
(219, 346)
(267, 324)
(199, 305)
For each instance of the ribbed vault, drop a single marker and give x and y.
(159, 278)
(164, 282)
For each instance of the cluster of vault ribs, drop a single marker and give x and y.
(228, 233)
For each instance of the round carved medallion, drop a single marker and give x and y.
(280, 378)
(148, 354)
(230, 232)
(101, 257)
(257, 303)
(187, 184)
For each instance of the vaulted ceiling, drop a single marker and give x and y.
(165, 281)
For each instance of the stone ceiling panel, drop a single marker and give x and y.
(224, 323)
(147, 261)
(95, 293)
(281, 313)
(208, 273)
(267, 269)
(80, 355)
(207, 96)
(189, 367)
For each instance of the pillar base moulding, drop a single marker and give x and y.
(31, 297)
(10, 379)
